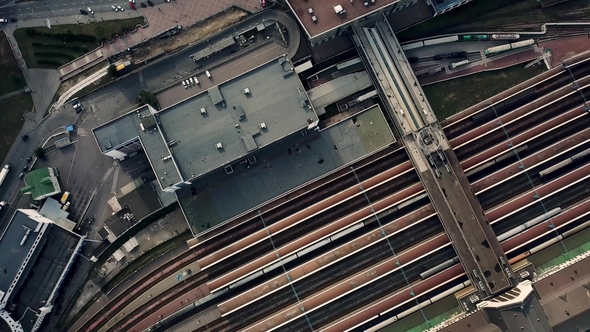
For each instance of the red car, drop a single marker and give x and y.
(132, 6)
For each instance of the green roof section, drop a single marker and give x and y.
(41, 183)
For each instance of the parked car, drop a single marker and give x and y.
(150, 3)
(83, 12)
(29, 159)
(90, 11)
(121, 9)
(20, 176)
(142, 4)
(184, 84)
(132, 6)
(25, 168)
(13, 19)
(3, 20)
(131, 1)
(24, 137)
(115, 8)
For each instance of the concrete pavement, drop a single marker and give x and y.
(82, 84)
(63, 8)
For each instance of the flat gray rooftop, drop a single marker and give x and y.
(215, 127)
(12, 253)
(118, 131)
(275, 107)
(292, 162)
(51, 259)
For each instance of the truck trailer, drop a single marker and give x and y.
(4, 172)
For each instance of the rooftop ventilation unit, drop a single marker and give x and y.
(372, 2)
(339, 10)
(314, 19)
(203, 110)
(219, 146)
(310, 10)
(166, 158)
(366, 4)
(263, 125)
(246, 91)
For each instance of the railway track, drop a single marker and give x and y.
(371, 292)
(220, 267)
(353, 264)
(512, 103)
(277, 241)
(366, 168)
(529, 179)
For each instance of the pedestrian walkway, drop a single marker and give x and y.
(11, 94)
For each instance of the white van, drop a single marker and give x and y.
(184, 84)
(192, 81)
(208, 73)
(196, 80)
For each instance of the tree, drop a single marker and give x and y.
(146, 97)
(40, 153)
(112, 70)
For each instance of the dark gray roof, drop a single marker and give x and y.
(273, 102)
(215, 95)
(214, 48)
(103, 233)
(118, 131)
(12, 252)
(45, 268)
(187, 143)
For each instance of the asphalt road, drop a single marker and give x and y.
(57, 8)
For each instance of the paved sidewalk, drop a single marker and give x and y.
(13, 93)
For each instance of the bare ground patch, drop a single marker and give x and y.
(189, 36)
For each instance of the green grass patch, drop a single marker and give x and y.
(466, 13)
(453, 96)
(12, 78)
(71, 41)
(11, 114)
(146, 258)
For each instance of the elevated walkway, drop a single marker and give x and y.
(460, 213)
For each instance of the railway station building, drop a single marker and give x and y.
(36, 256)
(216, 128)
(327, 19)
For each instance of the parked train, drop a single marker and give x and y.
(450, 55)
(450, 39)
(507, 47)
(458, 64)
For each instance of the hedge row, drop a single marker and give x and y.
(66, 37)
(69, 47)
(55, 55)
(48, 62)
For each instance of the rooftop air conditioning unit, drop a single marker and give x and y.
(219, 146)
(339, 10)
(314, 19)
(247, 91)
(366, 4)
(310, 10)
(203, 110)
(263, 125)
